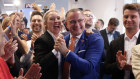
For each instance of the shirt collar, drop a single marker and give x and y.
(53, 36)
(78, 36)
(136, 35)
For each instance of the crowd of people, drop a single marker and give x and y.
(69, 46)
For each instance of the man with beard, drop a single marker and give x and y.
(89, 20)
(99, 24)
(37, 30)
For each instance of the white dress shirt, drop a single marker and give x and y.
(110, 36)
(129, 43)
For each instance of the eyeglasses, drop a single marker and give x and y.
(74, 21)
(88, 15)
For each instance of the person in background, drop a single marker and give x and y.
(22, 17)
(7, 49)
(81, 53)
(119, 55)
(110, 33)
(3, 15)
(11, 33)
(88, 15)
(37, 30)
(6, 22)
(99, 24)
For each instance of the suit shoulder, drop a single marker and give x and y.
(118, 40)
(95, 37)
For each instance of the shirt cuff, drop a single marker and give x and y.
(54, 52)
(68, 53)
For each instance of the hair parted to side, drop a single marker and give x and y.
(114, 21)
(73, 10)
(133, 6)
(45, 17)
(36, 13)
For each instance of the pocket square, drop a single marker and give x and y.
(81, 51)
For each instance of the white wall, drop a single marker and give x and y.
(104, 9)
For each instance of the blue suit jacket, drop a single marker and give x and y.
(86, 57)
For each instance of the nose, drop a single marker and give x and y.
(128, 19)
(36, 22)
(56, 20)
(76, 23)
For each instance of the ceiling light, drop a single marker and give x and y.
(8, 4)
(16, 3)
(39, 5)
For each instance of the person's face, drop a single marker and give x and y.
(131, 19)
(111, 28)
(88, 18)
(17, 20)
(75, 23)
(4, 16)
(37, 23)
(26, 31)
(53, 23)
(98, 24)
(22, 26)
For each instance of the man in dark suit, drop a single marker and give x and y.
(84, 59)
(118, 59)
(110, 33)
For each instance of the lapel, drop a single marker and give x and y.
(80, 42)
(67, 38)
(121, 43)
(138, 40)
(115, 35)
(49, 38)
(105, 37)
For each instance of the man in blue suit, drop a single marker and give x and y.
(85, 58)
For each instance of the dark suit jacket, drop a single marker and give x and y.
(110, 62)
(104, 35)
(43, 55)
(106, 41)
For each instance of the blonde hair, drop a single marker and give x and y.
(45, 17)
(5, 22)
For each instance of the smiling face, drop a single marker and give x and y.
(88, 18)
(37, 23)
(75, 23)
(53, 23)
(131, 19)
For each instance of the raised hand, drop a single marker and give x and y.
(52, 6)
(60, 45)
(62, 13)
(34, 37)
(9, 49)
(33, 72)
(36, 7)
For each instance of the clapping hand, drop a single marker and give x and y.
(121, 60)
(60, 45)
